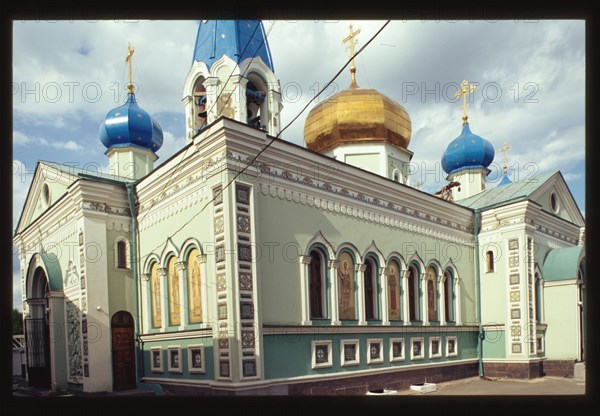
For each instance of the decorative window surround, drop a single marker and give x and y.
(195, 355)
(374, 351)
(321, 354)
(344, 359)
(433, 351)
(397, 353)
(156, 359)
(127, 253)
(417, 348)
(175, 362)
(451, 346)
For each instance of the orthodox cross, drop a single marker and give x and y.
(505, 148)
(128, 61)
(465, 89)
(352, 41)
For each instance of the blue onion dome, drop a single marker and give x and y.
(129, 125)
(467, 151)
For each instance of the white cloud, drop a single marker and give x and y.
(69, 145)
(21, 139)
(171, 145)
(17, 291)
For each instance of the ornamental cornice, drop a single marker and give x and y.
(170, 209)
(98, 206)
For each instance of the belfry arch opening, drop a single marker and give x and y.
(200, 108)
(257, 110)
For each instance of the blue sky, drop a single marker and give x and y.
(530, 93)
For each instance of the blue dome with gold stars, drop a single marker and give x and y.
(467, 151)
(129, 125)
(237, 39)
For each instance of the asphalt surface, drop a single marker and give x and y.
(475, 386)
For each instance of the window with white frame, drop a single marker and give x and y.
(374, 351)
(174, 356)
(195, 359)
(321, 354)
(451, 346)
(435, 347)
(122, 257)
(317, 284)
(349, 352)
(396, 349)
(540, 343)
(417, 348)
(156, 363)
(370, 289)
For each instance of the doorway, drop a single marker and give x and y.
(123, 351)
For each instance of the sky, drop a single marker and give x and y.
(529, 77)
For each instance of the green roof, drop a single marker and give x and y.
(91, 172)
(52, 265)
(562, 263)
(506, 193)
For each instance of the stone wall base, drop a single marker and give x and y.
(514, 370)
(359, 385)
(559, 368)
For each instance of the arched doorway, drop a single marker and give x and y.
(37, 332)
(123, 351)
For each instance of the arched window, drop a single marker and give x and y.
(317, 284)
(393, 291)
(200, 107)
(122, 254)
(448, 296)
(413, 294)
(370, 289)
(489, 260)
(173, 284)
(194, 282)
(345, 277)
(155, 291)
(256, 102)
(432, 310)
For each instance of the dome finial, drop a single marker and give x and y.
(130, 51)
(352, 41)
(505, 148)
(465, 89)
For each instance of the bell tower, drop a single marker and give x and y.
(232, 76)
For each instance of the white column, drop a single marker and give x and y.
(335, 313)
(275, 107)
(164, 301)
(442, 300)
(360, 277)
(180, 266)
(425, 291)
(205, 292)
(145, 303)
(239, 97)
(458, 301)
(405, 300)
(305, 288)
(212, 92)
(385, 318)
(542, 305)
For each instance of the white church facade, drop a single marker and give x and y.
(246, 264)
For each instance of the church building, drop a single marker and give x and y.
(246, 264)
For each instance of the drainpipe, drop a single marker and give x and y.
(481, 334)
(134, 262)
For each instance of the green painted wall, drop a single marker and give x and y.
(367, 161)
(493, 345)
(297, 224)
(183, 344)
(393, 164)
(121, 286)
(290, 355)
(561, 317)
(544, 201)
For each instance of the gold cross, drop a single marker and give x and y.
(352, 41)
(130, 51)
(505, 148)
(465, 89)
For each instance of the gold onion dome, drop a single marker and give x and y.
(356, 115)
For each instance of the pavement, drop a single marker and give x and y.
(475, 386)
